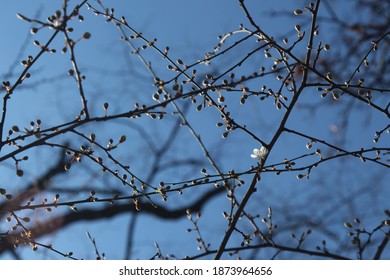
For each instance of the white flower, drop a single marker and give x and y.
(259, 153)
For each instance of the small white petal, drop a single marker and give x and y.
(263, 151)
(260, 153)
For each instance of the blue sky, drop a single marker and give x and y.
(190, 29)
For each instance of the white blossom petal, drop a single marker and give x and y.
(259, 153)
